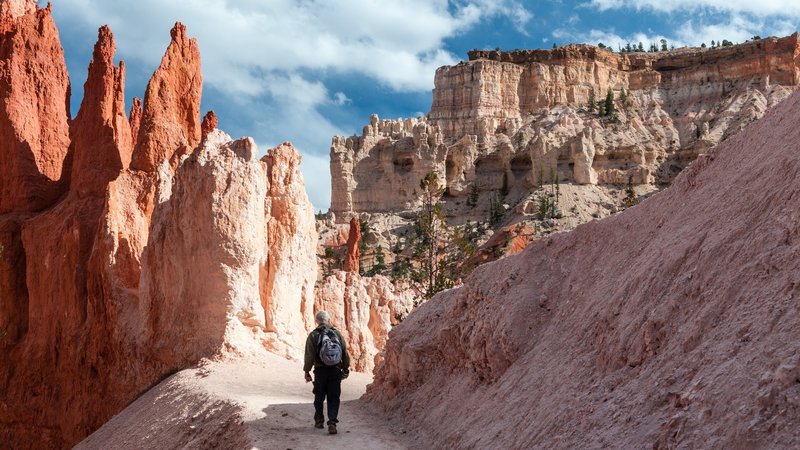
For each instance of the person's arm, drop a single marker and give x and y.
(308, 360)
(345, 356)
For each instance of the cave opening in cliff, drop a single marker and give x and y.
(521, 167)
(403, 165)
(489, 172)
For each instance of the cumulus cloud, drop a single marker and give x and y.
(734, 20)
(399, 44)
(611, 39)
(761, 8)
(277, 55)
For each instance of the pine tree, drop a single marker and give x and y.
(380, 261)
(623, 96)
(664, 47)
(609, 103)
(592, 101)
(430, 228)
(630, 194)
(472, 199)
(641, 47)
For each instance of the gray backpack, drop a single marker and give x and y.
(330, 349)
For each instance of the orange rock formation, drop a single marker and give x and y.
(34, 130)
(353, 239)
(135, 117)
(209, 123)
(128, 251)
(171, 116)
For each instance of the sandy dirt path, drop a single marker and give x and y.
(279, 410)
(261, 404)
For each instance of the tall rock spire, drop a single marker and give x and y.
(101, 142)
(34, 113)
(171, 116)
(135, 118)
(353, 239)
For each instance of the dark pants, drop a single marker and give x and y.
(327, 383)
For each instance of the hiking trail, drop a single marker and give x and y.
(242, 403)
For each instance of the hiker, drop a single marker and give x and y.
(327, 353)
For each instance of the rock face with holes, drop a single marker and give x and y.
(131, 247)
(515, 120)
(670, 325)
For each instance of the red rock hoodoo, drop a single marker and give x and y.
(353, 239)
(209, 124)
(171, 116)
(34, 113)
(101, 141)
(673, 324)
(131, 273)
(135, 118)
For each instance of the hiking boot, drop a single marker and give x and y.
(332, 428)
(319, 423)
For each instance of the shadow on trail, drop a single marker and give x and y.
(291, 426)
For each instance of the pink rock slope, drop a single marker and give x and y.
(675, 324)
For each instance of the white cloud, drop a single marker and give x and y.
(733, 27)
(273, 56)
(400, 44)
(340, 98)
(611, 39)
(762, 8)
(736, 29)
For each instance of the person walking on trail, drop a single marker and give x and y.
(327, 354)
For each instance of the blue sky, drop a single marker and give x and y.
(305, 70)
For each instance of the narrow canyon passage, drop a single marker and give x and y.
(258, 403)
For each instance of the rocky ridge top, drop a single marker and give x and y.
(517, 116)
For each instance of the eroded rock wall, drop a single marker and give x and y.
(520, 119)
(364, 309)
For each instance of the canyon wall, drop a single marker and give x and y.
(673, 324)
(131, 247)
(519, 119)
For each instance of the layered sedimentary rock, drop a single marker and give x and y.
(671, 325)
(132, 272)
(364, 309)
(34, 113)
(520, 119)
